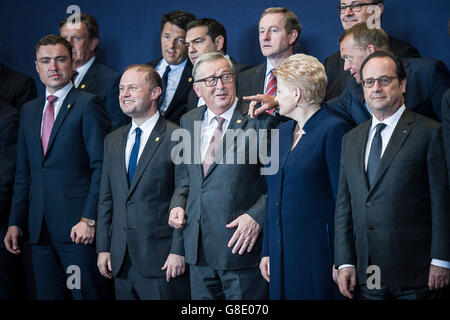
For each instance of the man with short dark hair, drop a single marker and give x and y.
(59, 163)
(353, 12)
(393, 204)
(203, 36)
(91, 75)
(428, 79)
(174, 67)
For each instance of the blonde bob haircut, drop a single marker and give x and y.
(307, 73)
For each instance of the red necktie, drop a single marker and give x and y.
(271, 89)
(47, 122)
(211, 151)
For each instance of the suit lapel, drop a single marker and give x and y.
(63, 111)
(401, 132)
(154, 140)
(121, 157)
(360, 144)
(261, 77)
(36, 125)
(193, 123)
(185, 82)
(89, 77)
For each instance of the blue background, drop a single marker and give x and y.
(129, 30)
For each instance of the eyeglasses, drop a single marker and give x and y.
(212, 81)
(384, 81)
(354, 7)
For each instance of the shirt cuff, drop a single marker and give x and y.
(441, 263)
(345, 266)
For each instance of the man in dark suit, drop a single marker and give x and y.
(9, 128)
(133, 239)
(427, 79)
(203, 36)
(351, 13)
(393, 204)
(174, 67)
(15, 88)
(59, 160)
(91, 75)
(446, 126)
(221, 199)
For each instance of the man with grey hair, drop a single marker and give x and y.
(220, 203)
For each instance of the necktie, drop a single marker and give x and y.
(134, 155)
(215, 139)
(47, 122)
(164, 86)
(271, 89)
(375, 153)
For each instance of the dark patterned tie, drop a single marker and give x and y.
(215, 139)
(163, 87)
(47, 122)
(134, 155)
(375, 153)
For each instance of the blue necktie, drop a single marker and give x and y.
(134, 155)
(375, 153)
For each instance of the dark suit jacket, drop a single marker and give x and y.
(136, 217)
(9, 128)
(403, 220)
(446, 127)
(15, 88)
(104, 82)
(226, 192)
(427, 81)
(179, 104)
(193, 98)
(63, 186)
(337, 76)
(251, 81)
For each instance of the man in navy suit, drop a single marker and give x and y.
(59, 161)
(91, 75)
(174, 67)
(427, 79)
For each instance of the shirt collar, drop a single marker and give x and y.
(391, 121)
(85, 67)
(173, 67)
(149, 124)
(269, 67)
(61, 93)
(227, 115)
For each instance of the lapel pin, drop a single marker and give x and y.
(190, 79)
(239, 121)
(157, 139)
(68, 106)
(83, 86)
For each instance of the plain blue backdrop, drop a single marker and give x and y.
(129, 30)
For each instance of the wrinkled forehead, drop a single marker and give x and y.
(213, 68)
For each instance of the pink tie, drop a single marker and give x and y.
(211, 151)
(47, 122)
(271, 89)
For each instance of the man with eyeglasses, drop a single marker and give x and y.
(353, 12)
(203, 36)
(174, 67)
(220, 203)
(427, 79)
(393, 204)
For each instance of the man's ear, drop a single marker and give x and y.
(292, 37)
(371, 49)
(197, 89)
(156, 92)
(403, 85)
(219, 42)
(93, 43)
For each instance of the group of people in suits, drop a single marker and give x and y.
(214, 225)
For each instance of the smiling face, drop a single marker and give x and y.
(54, 66)
(349, 17)
(218, 98)
(173, 46)
(383, 101)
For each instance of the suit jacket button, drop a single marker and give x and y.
(202, 190)
(369, 204)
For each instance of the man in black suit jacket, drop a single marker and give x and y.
(9, 128)
(59, 161)
(133, 239)
(393, 204)
(427, 79)
(174, 67)
(351, 13)
(203, 36)
(221, 197)
(91, 75)
(15, 88)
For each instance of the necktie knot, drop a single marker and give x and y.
(52, 99)
(379, 127)
(138, 132)
(220, 121)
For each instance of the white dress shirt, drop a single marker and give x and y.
(61, 94)
(209, 124)
(269, 68)
(82, 72)
(386, 135)
(147, 128)
(173, 80)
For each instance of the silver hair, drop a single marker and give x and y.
(211, 56)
